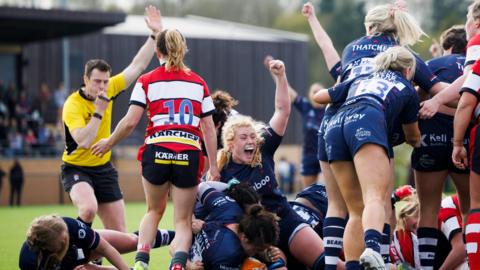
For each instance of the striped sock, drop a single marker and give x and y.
(333, 228)
(427, 245)
(372, 239)
(472, 237)
(385, 243)
(143, 253)
(162, 238)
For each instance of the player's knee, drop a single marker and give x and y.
(157, 212)
(88, 212)
(375, 198)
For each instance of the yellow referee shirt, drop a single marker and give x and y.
(77, 112)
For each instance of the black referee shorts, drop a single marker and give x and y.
(103, 179)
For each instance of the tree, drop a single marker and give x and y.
(447, 13)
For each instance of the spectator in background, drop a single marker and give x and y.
(3, 134)
(3, 108)
(286, 173)
(16, 144)
(45, 105)
(31, 142)
(22, 108)
(16, 183)
(59, 97)
(11, 97)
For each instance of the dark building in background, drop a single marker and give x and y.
(227, 55)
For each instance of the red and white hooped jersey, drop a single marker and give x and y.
(472, 84)
(404, 248)
(404, 245)
(449, 217)
(175, 101)
(473, 50)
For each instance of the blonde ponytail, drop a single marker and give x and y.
(172, 45)
(396, 59)
(394, 19)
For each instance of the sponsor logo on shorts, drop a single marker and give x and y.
(328, 149)
(434, 139)
(362, 134)
(171, 158)
(76, 177)
(438, 139)
(426, 161)
(354, 118)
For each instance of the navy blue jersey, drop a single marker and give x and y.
(82, 240)
(357, 59)
(447, 68)
(364, 47)
(312, 118)
(387, 91)
(216, 245)
(261, 178)
(336, 70)
(200, 212)
(219, 207)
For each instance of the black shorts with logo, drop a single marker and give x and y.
(103, 179)
(435, 152)
(183, 169)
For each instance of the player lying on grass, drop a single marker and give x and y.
(55, 242)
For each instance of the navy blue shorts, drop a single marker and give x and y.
(316, 194)
(435, 151)
(353, 127)
(310, 216)
(310, 164)
(290, 223)
(322, 153)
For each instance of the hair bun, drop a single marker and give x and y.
(255, 209)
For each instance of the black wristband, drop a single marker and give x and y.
(152, 36)
(97, 115)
